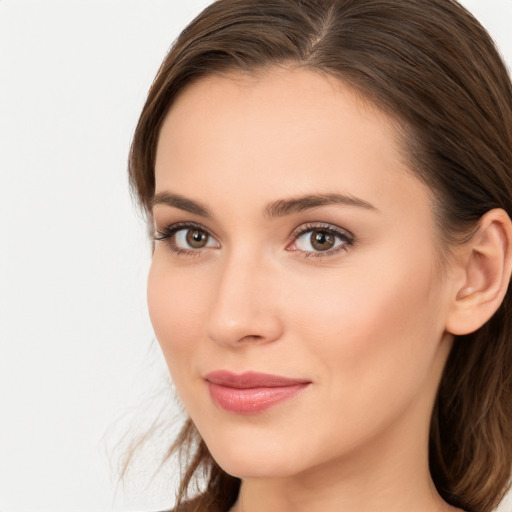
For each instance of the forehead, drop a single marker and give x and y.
(279, 133)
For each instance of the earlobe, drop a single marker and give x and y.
(487, 264)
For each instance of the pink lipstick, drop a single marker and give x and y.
(251, 392)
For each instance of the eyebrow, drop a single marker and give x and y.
(299, 204)
(276, 209)
(180, 202)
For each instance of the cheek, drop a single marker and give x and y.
(175, 309)
(376, 320)
(370, 336)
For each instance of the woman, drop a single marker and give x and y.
(328, 185)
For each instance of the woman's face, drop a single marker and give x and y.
(295, 243)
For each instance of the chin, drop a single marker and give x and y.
(257, 458)
(268, 467)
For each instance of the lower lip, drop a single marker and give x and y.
(251, 400)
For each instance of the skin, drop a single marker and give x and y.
(366, 325)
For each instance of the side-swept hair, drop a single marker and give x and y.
(433, 68)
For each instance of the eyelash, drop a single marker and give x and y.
(348, 240)
(167, 234)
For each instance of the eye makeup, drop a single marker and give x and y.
(324, 239)
(313, 239)
(181, 234)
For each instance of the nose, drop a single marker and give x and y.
(244, 308)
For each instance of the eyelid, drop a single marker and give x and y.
(170, 229)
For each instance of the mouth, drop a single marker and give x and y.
(251, 392)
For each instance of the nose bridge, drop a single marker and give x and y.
(243, 308)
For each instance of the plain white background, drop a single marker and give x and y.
(78, 361)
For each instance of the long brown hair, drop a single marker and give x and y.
(433, 67)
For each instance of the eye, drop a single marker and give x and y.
(186, 238)
(193, 238)
(320, 240)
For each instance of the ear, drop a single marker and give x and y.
(486, 264)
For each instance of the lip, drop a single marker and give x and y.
(251, 392)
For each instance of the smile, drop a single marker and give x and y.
(250, 392)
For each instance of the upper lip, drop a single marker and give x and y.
(248, 380)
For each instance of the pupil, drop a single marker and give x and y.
(322, 240)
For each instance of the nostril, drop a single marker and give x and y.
(264, 327)
(252, 338)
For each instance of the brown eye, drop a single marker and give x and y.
(322, 240)
(315, 240)
(187, 239)
(196, 238)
